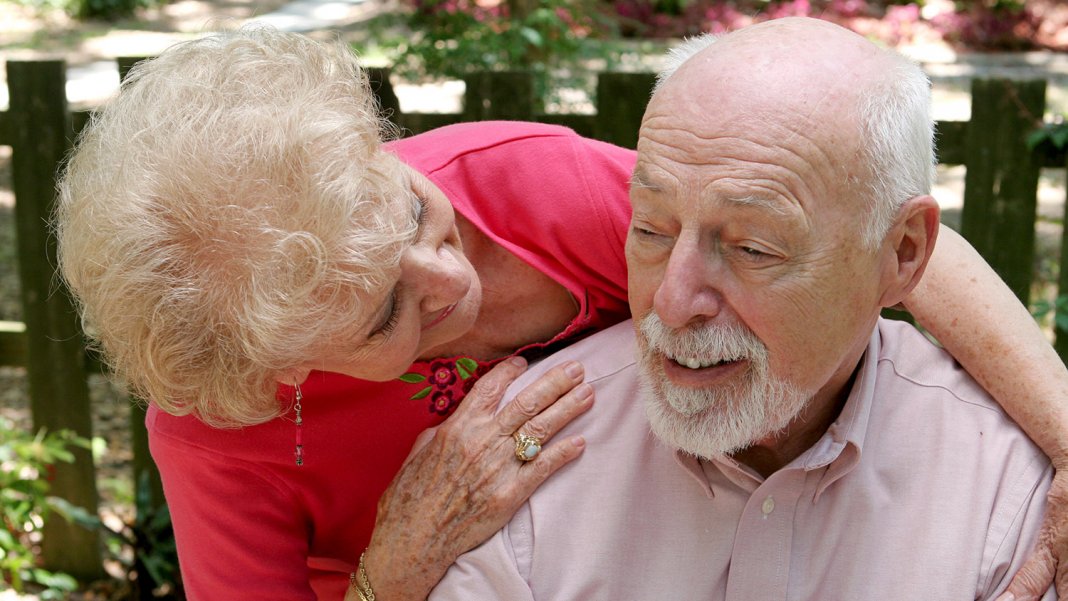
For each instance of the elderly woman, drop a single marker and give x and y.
(299, 302)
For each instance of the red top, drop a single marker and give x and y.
(249, 522)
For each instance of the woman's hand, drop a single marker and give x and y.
(462, 481)
(1048, 563)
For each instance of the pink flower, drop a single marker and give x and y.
(442, 402)
(442, 374)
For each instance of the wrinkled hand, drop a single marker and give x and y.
(1050, 557)
(462, 481)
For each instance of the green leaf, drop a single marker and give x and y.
(1059, 135)
(464, 374)
(7, 542)
(467, 363)
(54, 580)
(422, 394)
(1041, 308)
(412, 378)
(533, 36)
(74, 514)
(1036, 137)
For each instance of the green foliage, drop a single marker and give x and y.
(108, 10)
(152, 560)
(25, 463)
(1054, 133)
(1058, 307)
(455, 37)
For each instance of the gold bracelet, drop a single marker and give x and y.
(358, 581)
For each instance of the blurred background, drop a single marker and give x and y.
(430, 47)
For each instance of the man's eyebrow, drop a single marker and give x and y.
(758, 202)
(639, 179)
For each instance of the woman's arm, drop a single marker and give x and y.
(967, 307)
(462, 481)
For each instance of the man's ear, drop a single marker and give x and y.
(293, 375)
(909, 245)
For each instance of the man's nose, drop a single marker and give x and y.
(687, 294)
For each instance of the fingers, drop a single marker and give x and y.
(552, 458)
(486, 394)
(559, 414)
(535, 398)
(1033, 578)
(1047, 562)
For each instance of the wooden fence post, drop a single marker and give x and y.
(499, 95)
(1001, 183)
(59, 393)
(621, 100)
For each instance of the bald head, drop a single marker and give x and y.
(867, 104)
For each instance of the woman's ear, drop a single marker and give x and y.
(292, 376)
(911, 240)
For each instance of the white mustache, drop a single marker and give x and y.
(709, 343)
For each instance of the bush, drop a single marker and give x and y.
(989, 25)
(26, 461)
(455, 37)
(108, 10)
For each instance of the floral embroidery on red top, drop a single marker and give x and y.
(447, 381)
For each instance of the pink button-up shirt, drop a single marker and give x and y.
(921, 489)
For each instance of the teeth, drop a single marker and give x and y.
(694, 363)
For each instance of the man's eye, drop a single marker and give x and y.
(646, 233)
(754, 254)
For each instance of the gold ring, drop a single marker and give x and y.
(526, 447)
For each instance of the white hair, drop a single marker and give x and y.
(895, 115)
(680, 54)
(713, 421)
(225, 218)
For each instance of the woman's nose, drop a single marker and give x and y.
(441, 277)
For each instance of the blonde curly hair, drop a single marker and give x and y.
(224, 219)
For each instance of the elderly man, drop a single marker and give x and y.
(803, 449)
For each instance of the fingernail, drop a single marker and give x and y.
(584, 391)
(573, 369)
(580, 442)
(518, 361)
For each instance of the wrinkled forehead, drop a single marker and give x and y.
(776, 124)
(746, 153)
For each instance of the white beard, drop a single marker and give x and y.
(713, 421)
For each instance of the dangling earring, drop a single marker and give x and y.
(300, 426)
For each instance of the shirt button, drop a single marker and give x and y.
(768, 506)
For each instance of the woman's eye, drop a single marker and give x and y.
(424, 210)
(392, 317)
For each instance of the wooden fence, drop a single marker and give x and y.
(998, 218)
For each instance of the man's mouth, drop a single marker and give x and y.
(700, 363)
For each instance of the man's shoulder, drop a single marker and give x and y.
(927, 402)
(605, 354)
(911, 361)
